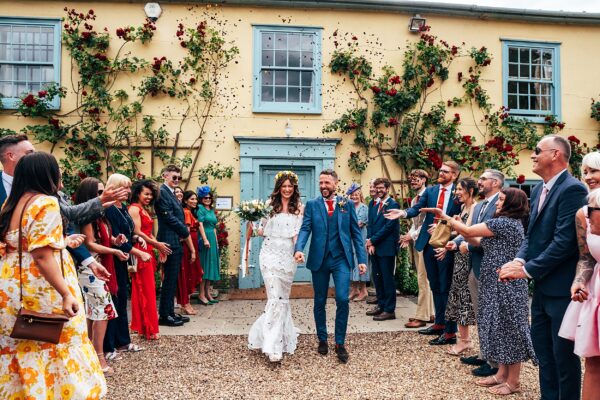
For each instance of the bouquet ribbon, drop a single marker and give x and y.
(244, 271)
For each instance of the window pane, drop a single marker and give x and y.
(267, 58)
(23, 34)
(536, 71)
(307, 59)
(4, 49)
(280, 58)
(523, 88)
(534, 103)
(545, 103)
(512, 101)
(47, 35)
(6, 89)
(49, 53)
(29, 53)
(35, 74)
(21, 73)
(306, 95)
(294, 59)
(294, 41)
(6, 72)
(513, 70)
(547, 66)
(513, 55)
(306, 79)
(4, 34)
(524, 59)
(524, 71)
(48, 74)
(281, 41)
(34, 87)
(20, 88)
(535, 56)
(17, 50)
(512, 87)
(280, 78)
(266, 93)
(307, 42)
(293, 95)
(280, 94)
(293, 78)
(267, 77)
(267, 41)
(523, 102)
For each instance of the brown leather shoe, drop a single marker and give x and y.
(374, 311)
(372, 301)
(384, 316)
(415, 323)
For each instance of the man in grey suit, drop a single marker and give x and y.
(490, 183)
(549, 255)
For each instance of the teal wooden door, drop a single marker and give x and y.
(307, 186)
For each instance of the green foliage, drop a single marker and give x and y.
(406, 276)
(214, 171)
(39, 105)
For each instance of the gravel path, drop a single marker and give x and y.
(392, 365)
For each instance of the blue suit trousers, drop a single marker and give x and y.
(340, 270)
(169, 284)
(383, 278)
(439, 274)
(117, 330)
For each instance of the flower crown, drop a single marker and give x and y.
(287, 174)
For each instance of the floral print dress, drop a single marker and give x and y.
(29, 368)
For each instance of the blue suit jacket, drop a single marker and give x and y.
(3, 194)
(384, 233)
(429, 200)
(171, 225)
(550, 247)
(476, 252)
(315, 224)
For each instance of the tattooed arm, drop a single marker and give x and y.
(585, 266)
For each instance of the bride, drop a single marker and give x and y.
(274, 332)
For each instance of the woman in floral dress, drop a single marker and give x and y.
(29, 368)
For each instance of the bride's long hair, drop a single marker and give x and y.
(276, 203)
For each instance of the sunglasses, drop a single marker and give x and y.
(176, 178)
(207, 198)
(537, 150)
(590, 209)
(100, 192)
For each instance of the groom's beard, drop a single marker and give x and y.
(326, 194)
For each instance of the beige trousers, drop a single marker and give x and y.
(425, 308)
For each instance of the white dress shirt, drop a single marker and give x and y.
(7, 181)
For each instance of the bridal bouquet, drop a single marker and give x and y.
(253, 210)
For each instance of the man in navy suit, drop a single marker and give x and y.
(489, 183)
(382, 246)
(439, 271)
(171, 230)
(332, 222)
(549, 255)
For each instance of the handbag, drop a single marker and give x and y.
(31, 325)
(132, 263)
(440, 235)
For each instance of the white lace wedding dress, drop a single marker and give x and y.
(274, 332)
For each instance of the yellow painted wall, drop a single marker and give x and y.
(382, 36)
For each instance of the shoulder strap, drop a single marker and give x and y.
(20, 243)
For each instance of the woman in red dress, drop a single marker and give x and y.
(144, 316)
(191, 270)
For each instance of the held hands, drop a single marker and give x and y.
(362, 269)
(164, 248)
(142, 243)
(299, 257)
(120, 239)
(70, 305)
(440, 254)
(120, 255)
(579, 292)
(371, 250)
(112, 195)
(145, 257)
(464, 248)
(451, 246)
(75, 240)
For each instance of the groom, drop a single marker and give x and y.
(334, 227)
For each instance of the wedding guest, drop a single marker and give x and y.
(358, 286)
(178, 194)
(171, 230)
(503, 318)
(99, 305)
(209, 252)
(382, 246)
(117, 334)
(191, 272)
(581, 322)
(45, 277)
(460, 308)
(372, 196)
(439, 271)
(144, 316)
(418, 183)
(12, 148)
(489, 184)
(549, 257)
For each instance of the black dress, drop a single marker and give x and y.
(460, 306)
(503, 316)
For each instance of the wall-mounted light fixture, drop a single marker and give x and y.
(152, 11)
(416, 23)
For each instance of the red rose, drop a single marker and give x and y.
(137, 154)
(395, 80)
(430, 82)
(521, 179)
(30, 100)
(42, 93)
(356, 72)
(561, 125)
(457, 117)
(375, 89)
(183, 44)
(454, 50)
(391, 92)
(467, 139)
(54, 122)
(82, 175)
(392, 121)
(574, 139)
(508, 148)
(354, 38)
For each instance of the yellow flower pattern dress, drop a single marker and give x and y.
(31, 369)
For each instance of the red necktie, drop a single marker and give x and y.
(380, 207)
(440, 203)
(330, 208)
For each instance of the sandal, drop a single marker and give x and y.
(504, 389)
(188, 310)
(155, 336)
(452, 350)
(361, 298)
(489, 381)
(108, 371)
(133, 348)
(112, 356)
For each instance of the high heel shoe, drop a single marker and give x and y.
(188, 310)
(213, 301)
(361, 298)
(204, 303)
